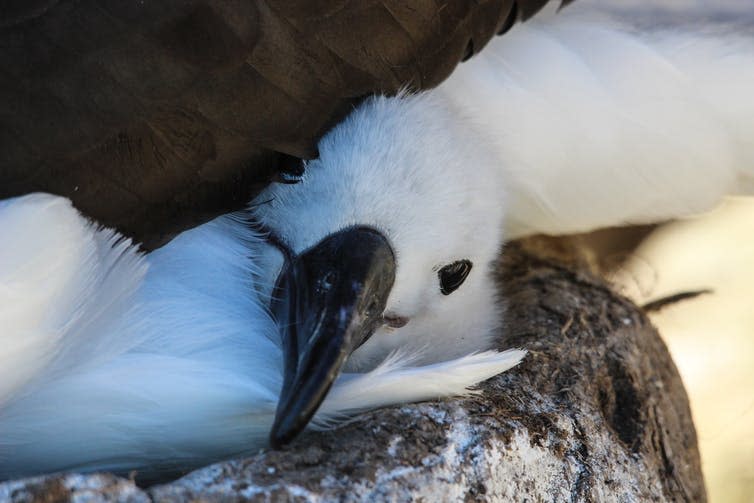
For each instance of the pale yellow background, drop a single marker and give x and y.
(711, 338)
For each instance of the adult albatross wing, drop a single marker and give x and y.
(153, 117)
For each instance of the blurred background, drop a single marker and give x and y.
(711, 337)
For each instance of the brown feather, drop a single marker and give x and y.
(156, 116)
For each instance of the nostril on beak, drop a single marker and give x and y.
(394, 321)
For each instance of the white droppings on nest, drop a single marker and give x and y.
(439, 416)
(122, 491)
(384, 477)
(251, 491)
(537, 470)
(392, 446)
(214, 479)
(475, 459)
(82, 488)
(300, 492)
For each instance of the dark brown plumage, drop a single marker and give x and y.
(156, 116)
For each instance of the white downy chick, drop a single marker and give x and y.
(560, 126)
(567, 124)
(115, 361)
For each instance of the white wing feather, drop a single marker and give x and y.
(61, 280)
(597, 125)
(112, 369)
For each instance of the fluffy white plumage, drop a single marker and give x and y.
(159, 371)
(396, 165)
(594, 125)
(110, 360)
(564, 125)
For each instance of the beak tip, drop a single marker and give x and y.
(281, 436)
(285, 428)
(275, 441)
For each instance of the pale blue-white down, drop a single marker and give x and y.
(110, 359)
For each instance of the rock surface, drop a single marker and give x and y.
(597, 412)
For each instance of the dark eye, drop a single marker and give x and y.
(452, 276)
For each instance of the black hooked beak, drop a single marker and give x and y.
(329, 300)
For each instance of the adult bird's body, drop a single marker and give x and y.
(116, 361)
